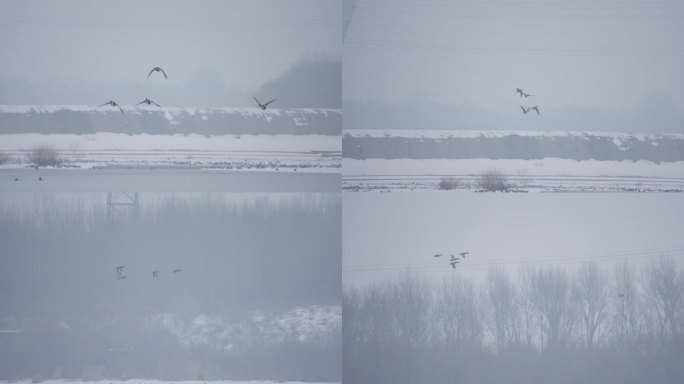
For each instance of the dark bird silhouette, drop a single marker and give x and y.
(149, 102)
(525, 95)
(536, 108)
(177, 270)
(520, 91)
(453, 264)
(525, 111)
(40, 179)
(263, 106)
(113, 104)
(438, 255)
(157, 69)
(155, 273)
(463, 254)
(454, 258)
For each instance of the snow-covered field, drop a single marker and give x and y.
(317, 153)
(526, 175)
(390, 234)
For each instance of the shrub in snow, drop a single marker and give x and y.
(44, 156)
(493, 180)
(449, 183)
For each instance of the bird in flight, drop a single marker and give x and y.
(263, 106)
(525, 95)
(177, 270)
(520, 91)
(119, 272)
(525, 111)
(453, 264)
(463, 254)
(121, 277)
(438, 255)
(113, 104)
(157, 69)
(149, 102)
(536, 108)
(155, 273)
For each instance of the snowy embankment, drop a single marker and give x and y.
(168, 120)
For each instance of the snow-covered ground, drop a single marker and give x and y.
(529, 175)
(385, 235)
(317, 153)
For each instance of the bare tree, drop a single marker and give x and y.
(550, 296)
(664, 286)
(457, 314)
(590, 295)
(627, 312)
(503, 303)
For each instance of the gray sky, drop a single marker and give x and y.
(71, 51)
(603, 55)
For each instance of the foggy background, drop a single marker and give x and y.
(216, 53)
(591, 65)
(258, 296)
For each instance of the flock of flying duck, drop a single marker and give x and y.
(150, 102)
(528, 109)
(454, 260)
(120, 274)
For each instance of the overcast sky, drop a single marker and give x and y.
(606, 55)
(74, 50)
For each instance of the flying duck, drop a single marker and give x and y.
(157, 69)
(263, 106)
(149, 102)
(113, 104)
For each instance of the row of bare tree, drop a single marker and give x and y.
(588, 322)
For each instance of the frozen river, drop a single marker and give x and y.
(165, 180)
(385, 235)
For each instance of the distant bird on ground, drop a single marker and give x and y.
(454, 258)
(263, 106)
(438, 255)
(525, 111)
(536, 108)
(463, 254)
(157, 69)
(453, 264)
(113, 104)
(155, 273)
(177, 270)
(149, 102)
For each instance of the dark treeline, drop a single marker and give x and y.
(207, 122)
(516, 146)
(64, 314)
(546, 325)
